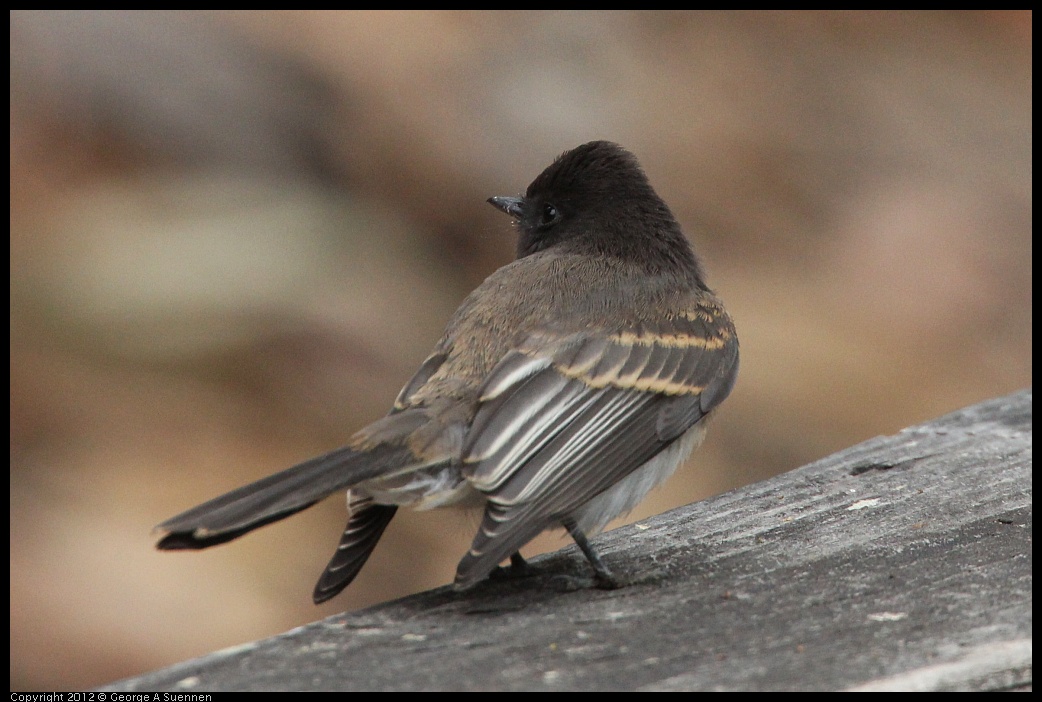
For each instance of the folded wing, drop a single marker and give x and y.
(561, 420)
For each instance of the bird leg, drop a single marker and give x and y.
(604, 578)
(518, 568)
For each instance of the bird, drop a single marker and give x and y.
(567, 386)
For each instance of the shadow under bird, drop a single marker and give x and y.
(569, 384)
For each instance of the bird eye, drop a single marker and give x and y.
(550, 215)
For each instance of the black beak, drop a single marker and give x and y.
(510, 205)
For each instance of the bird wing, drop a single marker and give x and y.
(563, 418)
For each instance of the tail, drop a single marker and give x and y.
(364, 528)
(278, 496)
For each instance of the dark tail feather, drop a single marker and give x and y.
(364, 528)
(278, 496)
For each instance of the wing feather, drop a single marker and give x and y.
(586, 411)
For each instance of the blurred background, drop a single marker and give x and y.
(234, 236)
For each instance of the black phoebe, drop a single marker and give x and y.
(568, 385)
